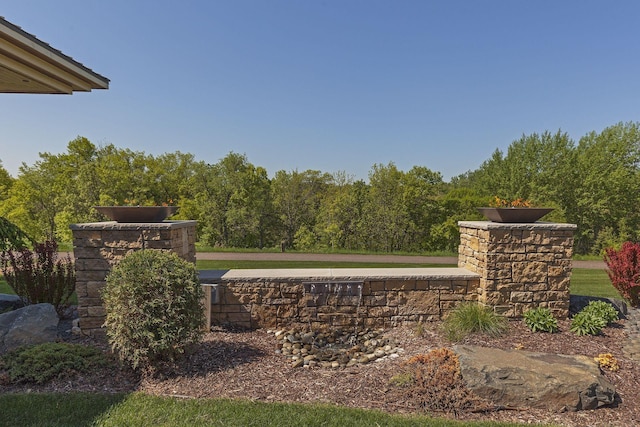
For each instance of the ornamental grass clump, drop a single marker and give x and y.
(624, 271)
(540, 320)
(153, 301)
(472, 318)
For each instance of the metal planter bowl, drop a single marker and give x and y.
(515, 215)
(137, 213)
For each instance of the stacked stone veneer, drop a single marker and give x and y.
(319, 298)
(99, 246)
(521, 266)
(511, 267)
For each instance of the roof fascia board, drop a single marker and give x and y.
(44, 66)
(30, 73)
(19, 36)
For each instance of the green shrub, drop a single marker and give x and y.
(540, 320)
(38, 276)
(471, 318)
(153, 301)
(43, 362)
(586, 323)
(603, 310)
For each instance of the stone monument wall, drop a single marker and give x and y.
(521, 266)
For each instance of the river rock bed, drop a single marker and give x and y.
(334, 349)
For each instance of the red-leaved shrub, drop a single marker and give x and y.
(624, 271)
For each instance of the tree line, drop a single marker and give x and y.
(594, 183)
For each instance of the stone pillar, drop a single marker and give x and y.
(98, 246)
(521, 266)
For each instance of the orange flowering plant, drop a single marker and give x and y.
(497, 202)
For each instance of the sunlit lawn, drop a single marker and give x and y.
(138, 409)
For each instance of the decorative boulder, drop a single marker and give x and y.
(10, 302)
(33, 324)
(525, 379)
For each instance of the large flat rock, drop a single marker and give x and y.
(33, 324)
(515, 378)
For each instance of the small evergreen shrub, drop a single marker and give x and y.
(44, 362)
(540, 320)
(624, 271)
(153, 301)
(603, 310)
(586, 323)
(472, 318)
(38, 276)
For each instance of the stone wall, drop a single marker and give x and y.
(97, 247)
(317, 298)
(511, 267)
(521, 266)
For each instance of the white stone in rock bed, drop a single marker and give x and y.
(387, 347)
(379, 353)
(393, 356)
(371, 356)
(335, 365)
(278, 333)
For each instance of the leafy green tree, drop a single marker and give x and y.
(232, 203)
(296, 198)
(6, 181)
(386, 220)
(340, 216)
(608, 194)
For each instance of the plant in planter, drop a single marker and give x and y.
(517, 210)
(135, 211)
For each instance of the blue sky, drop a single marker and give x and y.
(329, 85)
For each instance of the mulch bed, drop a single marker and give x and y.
(244, 364)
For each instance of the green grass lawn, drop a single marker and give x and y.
(138, 409)
(241, 264)
(592, 282)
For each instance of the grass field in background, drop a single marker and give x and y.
(243, 264)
